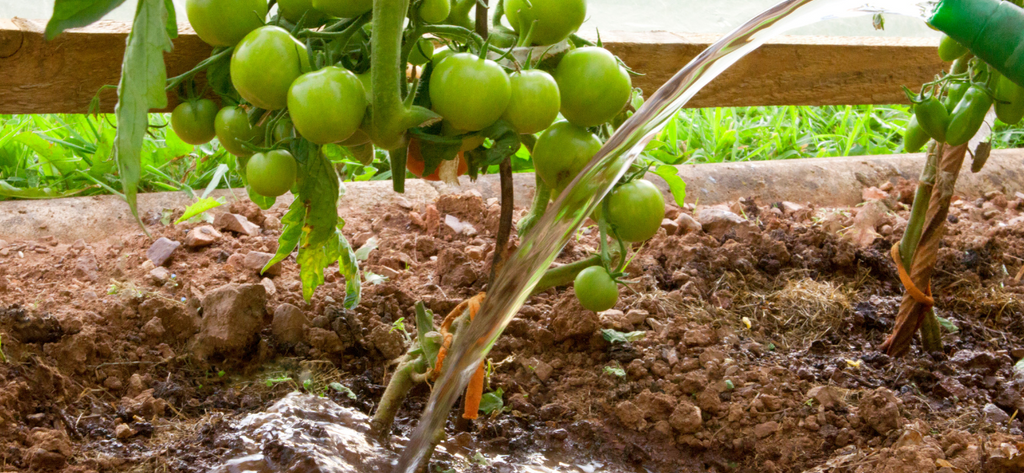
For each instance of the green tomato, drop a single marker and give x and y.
(422, 53)
(968, 116)
(292, 10)
(1010, 104)
(593, 86)
(635, 211)
(535, 101)
(950, 50)
(561, 152)
(470, 92)
(440, 54)
(233, 129)
(914, 138)
(327, 106)
(555, 19)
(272, 173)
(954, 93)
(595, 289)
(264, 65)
(225, 22)
(283, 130)
(933, 118)
(193, 121)
(435, 11)
(343, 8)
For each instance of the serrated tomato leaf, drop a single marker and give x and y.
(143, 77)
(77, 13)
(200, 206)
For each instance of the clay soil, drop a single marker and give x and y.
(757, 349)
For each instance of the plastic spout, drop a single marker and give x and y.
(992, 29)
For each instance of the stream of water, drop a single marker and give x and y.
(540, 247)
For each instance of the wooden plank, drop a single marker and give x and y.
(63, 75)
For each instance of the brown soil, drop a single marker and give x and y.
(758, 354)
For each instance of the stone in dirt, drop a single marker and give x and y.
(160, 251)
(826, 396)
(86, 267)
(232, 318)
(122, 431)
(160, 275)
(994, 414)
(572, 320)
(630, 415)
(257, 260)
(289, 324)
(880, 410)
(388, 342)
(237, 223)
(687, 224)
(327, 341)
(49, 449)
(765, 429)
(154, 328)
(175, 319)
(718, 222)
(686, 418)
(202, 236)
(270, 286)
(670, 226)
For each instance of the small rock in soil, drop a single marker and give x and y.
(670, 226)
(994, 414)
(880, 410)
(160, 275)
(687, 224)
(686, 418)
(257, 260)
(327, 341)
(630, 415)
(202, 236)
(541, 369)
(49, 449)
(289, 324)
(765, 429)
(237, 223)
(232, 318)
(572, 320)
(86, 267)
(950, 387)
(719, 222)
(826, 396)
(388, 342)
(182, 324)
(270, 286)
(123, 431)
(160, 251)
(154, 328)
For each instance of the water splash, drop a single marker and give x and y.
(538, 250)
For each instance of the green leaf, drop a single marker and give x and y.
(291, 231)
(55, 159)
(491, 402)
(143, 77)
(675, 183)
(947, 325)
(172, 19)
(364, 251)
(615, 336)
(506, 143)
(615, 371)
(202, 205)
(77, 13)
(349, 268)
(434, 149)
(341, 388)
(261, 201)
(425, 325)
(7, 190)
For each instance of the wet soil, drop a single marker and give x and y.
(757, 348)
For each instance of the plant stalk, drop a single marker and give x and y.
(398, 388)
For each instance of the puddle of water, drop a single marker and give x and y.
(309, 434)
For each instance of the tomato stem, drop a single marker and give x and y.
(205, 63)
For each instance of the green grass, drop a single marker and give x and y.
(47, 156)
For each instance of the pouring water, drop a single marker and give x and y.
(538, 250)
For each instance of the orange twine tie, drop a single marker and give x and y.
(921, 297)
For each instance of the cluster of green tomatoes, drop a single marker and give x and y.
(953, 108)
(305, 75)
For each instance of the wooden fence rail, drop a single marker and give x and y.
(63, 75)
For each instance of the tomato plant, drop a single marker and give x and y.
(264, 65)
(422, 52)
(233, 129)
(225, 22)
(470, 92)
(555, 19)
(950, 50)
(634, 210)
(561, 152)
(327, 106)
(193, 121)
(595, 289)
(594, 88)
(914, 137)
(933, 117)
(272, 173)
(534, 103)
(1009, 101)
